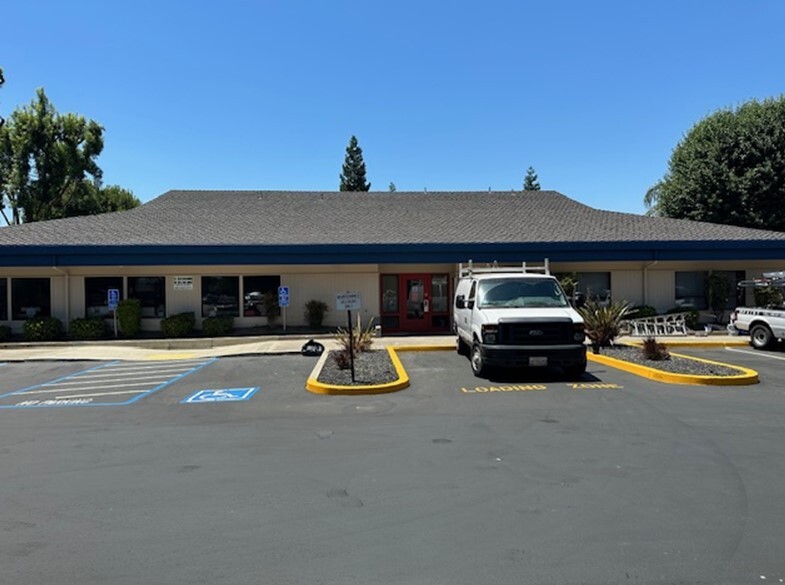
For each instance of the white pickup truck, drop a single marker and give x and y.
(766, 325)
(517, 319)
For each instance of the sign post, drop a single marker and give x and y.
(283, 302)
(349, 301)
(112, 300)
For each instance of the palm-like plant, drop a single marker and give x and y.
(603, 321)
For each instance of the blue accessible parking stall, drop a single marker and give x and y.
(111, 384)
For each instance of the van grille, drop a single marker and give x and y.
(531, 332)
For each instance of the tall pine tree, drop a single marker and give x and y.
(530, 182)
(353, 175)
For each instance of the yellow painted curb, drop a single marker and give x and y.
(313, 384)
(746, 378)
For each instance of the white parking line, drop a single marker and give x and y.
(96, 387)
(116, 372)
(94, 381)
(69, 396)
(758, 353)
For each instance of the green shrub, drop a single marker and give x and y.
(314, 313)
(217, 326)
(270, 307)
(180, 325)
(603, 321)
(690, 319)
(42, 329)
(641, 311)
(92, 328)
(129, 317)
(5, 333)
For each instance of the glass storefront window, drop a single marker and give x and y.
(389, 293)
(595, 286)
(692, 291)
(254, 289)
(439, 293)
(220, 296)
(151, 292)
(30, 297)
(3, 299)
(96, 292)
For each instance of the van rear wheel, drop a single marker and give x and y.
(479, 368)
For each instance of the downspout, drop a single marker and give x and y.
(67, 291)
(646, 280)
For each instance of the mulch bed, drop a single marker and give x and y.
(375, 367)
(674, 365)
(370, 368)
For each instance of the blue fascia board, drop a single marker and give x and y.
(160, 255)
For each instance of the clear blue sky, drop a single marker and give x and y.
(441, 95)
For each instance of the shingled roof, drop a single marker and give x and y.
(291, 218)
(514, 220)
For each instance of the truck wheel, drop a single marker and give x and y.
(575, 372)
(479, 368)
(760, 336)
(462, 348)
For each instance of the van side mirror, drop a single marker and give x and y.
(460, 302)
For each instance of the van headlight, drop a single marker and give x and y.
(579, 334)
(490, 333)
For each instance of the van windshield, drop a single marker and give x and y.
(519, 292)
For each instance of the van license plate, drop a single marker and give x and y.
(538, 361)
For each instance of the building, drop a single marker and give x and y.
(218, 252)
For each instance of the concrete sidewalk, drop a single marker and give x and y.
(152, 349)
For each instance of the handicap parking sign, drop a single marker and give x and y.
(220, 395)
(283, 296)
(113, 298)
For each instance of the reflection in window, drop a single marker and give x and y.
(30, 297)
(595, 286)
(97, 292)
(3, 299)
(254, 289)
(220, 296)
(439, 294)
(151, 292)
(389, 293)
(691, 290)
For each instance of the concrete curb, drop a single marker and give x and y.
(746, 378)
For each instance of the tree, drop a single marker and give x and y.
(353, 175)
(728, 169)
(48, 167)
(530, 182)
(392, 188)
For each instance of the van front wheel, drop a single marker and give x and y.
(479, 368)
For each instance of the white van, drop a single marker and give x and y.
(517, 318)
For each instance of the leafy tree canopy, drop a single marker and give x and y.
(729, 169)
(353, 176)
(48, 167)
(530, 182)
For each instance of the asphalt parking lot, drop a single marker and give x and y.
(526, 478)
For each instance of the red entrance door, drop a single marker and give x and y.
(415, 303)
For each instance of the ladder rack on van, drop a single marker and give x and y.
(469, 269)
